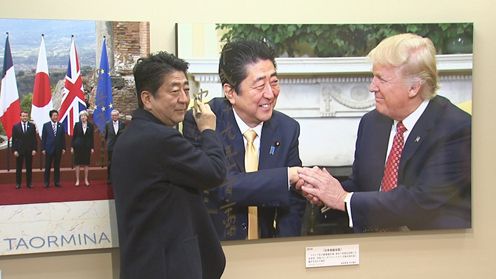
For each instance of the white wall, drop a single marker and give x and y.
(449, 254)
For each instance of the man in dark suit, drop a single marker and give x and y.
(412, 167)
(52, 146)
(247, 71)
(24, 145)
(158, 176)
(113, 129)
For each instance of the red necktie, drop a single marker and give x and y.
(390, 178)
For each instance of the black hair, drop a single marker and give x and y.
(149, 72)
(236, 55)
(52, 112)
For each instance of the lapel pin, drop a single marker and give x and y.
(417, 139)
(273, 147)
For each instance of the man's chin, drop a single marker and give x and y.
(265, 116)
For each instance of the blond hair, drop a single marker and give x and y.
(415, 55)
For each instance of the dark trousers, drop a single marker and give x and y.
(109, 164)
(55, 158)
(19, 162)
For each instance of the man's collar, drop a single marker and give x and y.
(243, 127)
(412, 119)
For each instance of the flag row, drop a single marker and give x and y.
(73, 97)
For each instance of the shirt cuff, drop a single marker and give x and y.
(347, 202)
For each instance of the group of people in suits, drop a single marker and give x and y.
(177, 195)
(53, 146)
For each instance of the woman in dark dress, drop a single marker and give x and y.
(82, 145)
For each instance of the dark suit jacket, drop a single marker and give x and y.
(24, 143)
(52, 143)
(434, 176)
(266, 188)
(158, 176)
(110, 135)
(82, 140)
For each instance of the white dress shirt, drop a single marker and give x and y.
(116, 126)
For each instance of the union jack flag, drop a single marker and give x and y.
(73, 99)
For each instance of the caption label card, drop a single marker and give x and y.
(332, 255)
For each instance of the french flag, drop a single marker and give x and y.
(10, 108)
(42, 94)
(73, 99)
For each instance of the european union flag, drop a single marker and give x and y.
(103, 98)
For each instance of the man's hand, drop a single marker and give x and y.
(312, 199)
(321, 185)
(206, 119)
(294, 178)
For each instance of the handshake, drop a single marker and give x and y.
(318, 186)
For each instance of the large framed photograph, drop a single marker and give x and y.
(325, 76)
(69, 66)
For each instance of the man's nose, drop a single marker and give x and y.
(184, 96)
(268, 91)
(372, 86)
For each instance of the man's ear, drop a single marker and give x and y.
(146, 97)
(415, 88)
(229, 93)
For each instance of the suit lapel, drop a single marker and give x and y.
(58, 128)
(231, 135)
(119, 124)
(376, 147)
(420, 131)
(383, 131)
(268, 138)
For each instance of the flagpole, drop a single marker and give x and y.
(8, 140)
(8, 154)
(103, 99)
(41, 157)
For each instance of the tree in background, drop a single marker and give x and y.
(346, 40)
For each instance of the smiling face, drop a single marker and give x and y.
(396, 96)
(258, 93)
(171, 100)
